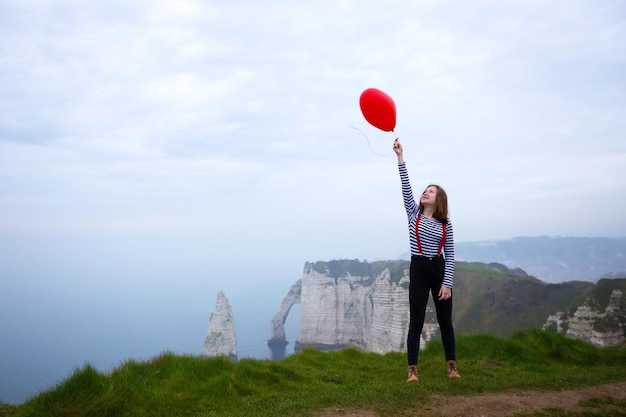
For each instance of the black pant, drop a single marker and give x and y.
(426, 276)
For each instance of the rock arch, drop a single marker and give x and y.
(277, 325)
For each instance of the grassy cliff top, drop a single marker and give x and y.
(310, 382)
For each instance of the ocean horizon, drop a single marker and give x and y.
(46, 336)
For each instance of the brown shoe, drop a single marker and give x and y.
(412, 374)
(452, 371)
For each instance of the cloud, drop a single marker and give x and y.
(199, 116)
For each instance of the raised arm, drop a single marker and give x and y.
(407, 194)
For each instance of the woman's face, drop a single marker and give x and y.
(429, 196)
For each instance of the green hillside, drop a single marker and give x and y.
(600, 294)
(490, 298)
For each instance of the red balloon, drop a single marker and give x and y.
(378, 109)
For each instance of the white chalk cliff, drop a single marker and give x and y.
(601, 327)
(367, 309)
(221, 338)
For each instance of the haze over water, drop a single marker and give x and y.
(42, 346)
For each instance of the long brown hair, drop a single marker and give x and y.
(441, 204)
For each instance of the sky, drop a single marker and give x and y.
(197, 135)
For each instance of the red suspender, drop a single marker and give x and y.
(443, 237)
(417, 235)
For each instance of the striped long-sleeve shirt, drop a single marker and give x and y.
(430, 230)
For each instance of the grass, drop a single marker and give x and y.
(311, 381)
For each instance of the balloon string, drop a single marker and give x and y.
(368, 143)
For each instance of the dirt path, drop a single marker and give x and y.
(499, 405)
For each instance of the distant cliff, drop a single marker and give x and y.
(599, 318)
(348, 303)
(365, 305)
(220, 338)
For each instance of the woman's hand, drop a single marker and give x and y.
(397, 148)
(445, 293)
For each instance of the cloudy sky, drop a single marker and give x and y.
(215, 130)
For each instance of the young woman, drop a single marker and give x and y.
(432, 266)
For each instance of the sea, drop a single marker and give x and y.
(46, 333)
